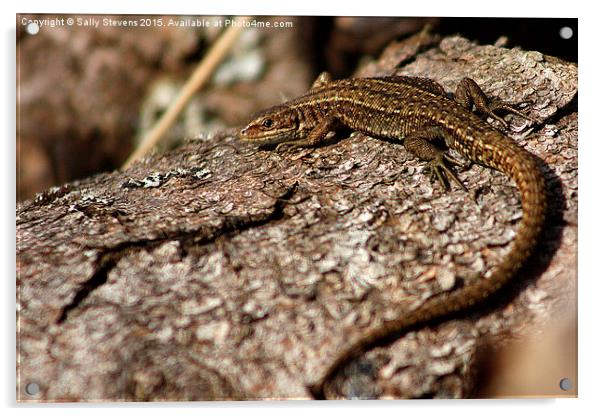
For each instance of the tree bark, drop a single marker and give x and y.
(219, 271)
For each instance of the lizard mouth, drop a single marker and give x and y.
(273, 138)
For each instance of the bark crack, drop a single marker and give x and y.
(109, 259)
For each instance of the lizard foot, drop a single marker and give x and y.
(499, 105)
(440, 170)
(282, 147)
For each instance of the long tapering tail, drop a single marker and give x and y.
(522, 167)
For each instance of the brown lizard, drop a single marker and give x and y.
(417, 111)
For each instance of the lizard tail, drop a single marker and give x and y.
(522, 167)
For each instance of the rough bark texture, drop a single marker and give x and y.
(219, 271)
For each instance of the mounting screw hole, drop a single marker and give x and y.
(32, 389)
(566, 384)
(32, 28)
(566, 32)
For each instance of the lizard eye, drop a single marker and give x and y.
(267, 123)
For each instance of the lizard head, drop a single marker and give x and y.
(272, 126)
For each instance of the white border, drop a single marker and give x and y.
(590, 290)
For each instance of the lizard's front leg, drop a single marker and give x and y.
(315, 136)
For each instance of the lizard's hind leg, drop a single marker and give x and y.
(468, 93)
(420, 144)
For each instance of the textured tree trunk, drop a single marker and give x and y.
(220, 271)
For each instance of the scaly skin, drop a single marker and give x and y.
(417, 111)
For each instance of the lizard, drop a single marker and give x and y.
(419, 113)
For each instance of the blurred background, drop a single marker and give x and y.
(86, 95)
